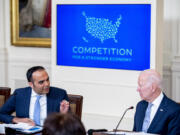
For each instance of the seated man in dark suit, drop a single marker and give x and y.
(33, 104)
(156, 113)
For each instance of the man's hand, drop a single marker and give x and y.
(64, 106)
(24, 120)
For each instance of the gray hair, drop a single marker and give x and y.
(153, 77)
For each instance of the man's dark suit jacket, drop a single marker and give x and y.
(166, 120)
(19, 102)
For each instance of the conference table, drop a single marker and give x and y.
(112, 132)
(122, 132)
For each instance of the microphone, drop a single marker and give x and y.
(122, 118)
(91, 131)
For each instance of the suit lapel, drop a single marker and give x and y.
(27, 97)
(142, 115)
(49, 102)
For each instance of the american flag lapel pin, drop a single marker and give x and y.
(161, 110)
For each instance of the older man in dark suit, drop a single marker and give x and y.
(156, 113)
(33, 104)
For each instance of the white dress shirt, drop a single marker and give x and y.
(155, 106)
(43, 104)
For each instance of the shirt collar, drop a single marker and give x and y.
(34, 94)
(158, 100)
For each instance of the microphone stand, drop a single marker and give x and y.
(122, 118)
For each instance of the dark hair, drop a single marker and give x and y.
(63, 124)
(31, 71)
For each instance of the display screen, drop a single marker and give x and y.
(114, 36)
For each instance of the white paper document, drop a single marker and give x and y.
(23, 127)
(129, 133)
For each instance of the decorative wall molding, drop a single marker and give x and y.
(22, 61)
(3, 67)
(18, 66)
(171, 73)
(175, 67)
(176, 79)
(167, 81)
(106, 121)
(3, 54)
(100, 83)
(176, 86)
(2, 28)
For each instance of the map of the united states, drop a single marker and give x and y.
(102, 28)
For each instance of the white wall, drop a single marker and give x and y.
(14, 61)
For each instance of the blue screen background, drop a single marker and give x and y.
(104, 36)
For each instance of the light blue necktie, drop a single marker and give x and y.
(147, 118)
(37, 110)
